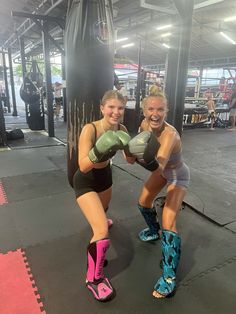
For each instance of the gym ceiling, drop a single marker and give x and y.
(138, 21)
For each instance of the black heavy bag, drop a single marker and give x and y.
(15, 134)
(29, 92)
(89, 67)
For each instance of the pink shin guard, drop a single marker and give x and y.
(95, 280)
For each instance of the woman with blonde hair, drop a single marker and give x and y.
(154, 90)
(158, 149)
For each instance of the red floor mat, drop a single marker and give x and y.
(3, 197)
(18, 294)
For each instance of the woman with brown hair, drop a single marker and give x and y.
(98, 143)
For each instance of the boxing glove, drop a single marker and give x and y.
(107, 144)
(123, 137)
(144, 148)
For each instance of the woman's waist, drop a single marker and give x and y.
(174, 165)
(101, 165)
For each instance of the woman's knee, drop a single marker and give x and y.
(146, 201)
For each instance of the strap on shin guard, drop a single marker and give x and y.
(150, 216)
(171, 250)
(96, 257)
(96, 282)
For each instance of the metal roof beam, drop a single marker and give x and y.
(32, 16)
(146, 5)
(23, 28)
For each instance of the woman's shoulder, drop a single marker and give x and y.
(170, 130)
(91, 125)
(89, 129)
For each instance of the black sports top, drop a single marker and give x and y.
(110, 154)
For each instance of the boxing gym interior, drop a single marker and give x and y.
(187, 49)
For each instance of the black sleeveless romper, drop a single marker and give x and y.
(97, 180)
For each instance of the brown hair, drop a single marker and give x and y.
(112, 94)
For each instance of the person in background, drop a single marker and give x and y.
(158, 149)
(232, 112)
(58, 98)
(98, 143)
(208, 93)
(121, 89)
(211, 110)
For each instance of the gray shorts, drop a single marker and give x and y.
(179, 176)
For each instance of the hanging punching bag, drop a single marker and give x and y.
(29, 92)
(89, 67)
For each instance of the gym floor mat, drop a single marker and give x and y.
(59, 268)
(34, 139)
(30, 186)
(18, 290)
(59, 160)
(3, 196)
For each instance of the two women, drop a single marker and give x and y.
(157, 148)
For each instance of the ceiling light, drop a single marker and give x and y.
(165, 45)
(166, 35)
(164, 27)
(128, 45)
(231, 18)
(121, 39)
(228, 38)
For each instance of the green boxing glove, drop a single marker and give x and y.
(107, 144)
(124, 138)
(144, 147)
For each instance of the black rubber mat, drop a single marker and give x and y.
(38, 220)
(59, 160)
(34, 139)
(206, 282)
(36, 185)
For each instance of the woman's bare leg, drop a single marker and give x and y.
(154, 184)
(174, 199)
(93, 210)
(105, 197)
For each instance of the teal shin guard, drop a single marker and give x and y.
(152, 232)
(171, 249)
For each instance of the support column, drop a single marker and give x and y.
(137, 104)
(6, 82)
(49, 93)
(22, 54)
(63, 67)
(3, 137)
(23, 65)
(186, 11)
(12, 83)
(200, 81)
(171, 70)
